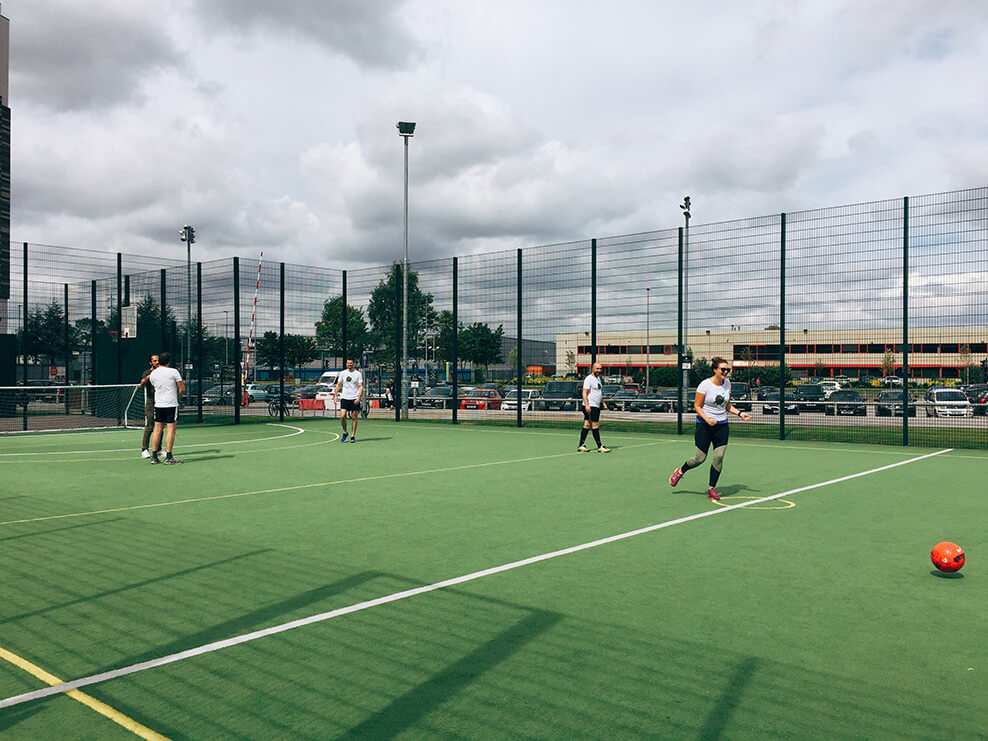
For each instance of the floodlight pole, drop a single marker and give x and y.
(188, 235)
(685, 206)
(406, 130)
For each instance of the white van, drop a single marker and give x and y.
(325, 388)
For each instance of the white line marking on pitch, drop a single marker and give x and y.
(299, 431)
(274, 630)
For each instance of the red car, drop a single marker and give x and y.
(481, 399)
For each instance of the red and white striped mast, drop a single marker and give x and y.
(250, 336)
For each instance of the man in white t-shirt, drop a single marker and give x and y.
(168, 386)
(593, 402)
(351, 381)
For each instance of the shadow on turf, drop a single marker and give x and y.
(404, 712)
(362, 439)
(60, 529)
(718, 720)
(941, 575)
(12, 716)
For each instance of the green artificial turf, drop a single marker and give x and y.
(818, 616)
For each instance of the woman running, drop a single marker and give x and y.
(712, 405)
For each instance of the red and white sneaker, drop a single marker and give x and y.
(712, 494)
(676, 476)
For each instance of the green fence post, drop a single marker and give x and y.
(905, 321)
(518, 359)
(680, 390)
(455, 360)
(119, 318)
(281, 343)
(593, 302)
(782, 327)
(199, 348)
(237, 389)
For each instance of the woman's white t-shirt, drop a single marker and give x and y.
(715, 399)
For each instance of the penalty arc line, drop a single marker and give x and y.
(274, 630)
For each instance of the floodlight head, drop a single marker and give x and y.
(406, 128)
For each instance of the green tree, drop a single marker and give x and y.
(444, 340)
(384, 312)
(43, 335)
(481, 345)
(329, 329)
(299, 350)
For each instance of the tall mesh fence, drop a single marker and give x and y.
(865, 322)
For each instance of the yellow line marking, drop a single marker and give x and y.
(299, 487)
(786, 502)
(91, 702)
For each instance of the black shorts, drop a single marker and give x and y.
(593, 415)
(706, 434)
(165, 415)
(349, 405)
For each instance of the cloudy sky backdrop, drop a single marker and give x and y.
(272, 125)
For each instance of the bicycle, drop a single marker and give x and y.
(277, 406)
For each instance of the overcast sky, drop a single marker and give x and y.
(271, 125)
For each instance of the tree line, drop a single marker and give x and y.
(43, 339)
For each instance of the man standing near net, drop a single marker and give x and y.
(593, 402)
(148, 407)
(168, 386)
(352, 383)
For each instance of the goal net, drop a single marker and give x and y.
(35, 408)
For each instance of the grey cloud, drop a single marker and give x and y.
(371, 33)
(70, 57)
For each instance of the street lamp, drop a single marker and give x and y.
(648, 337)
(406, 129)
(685, 206)
(226, 337)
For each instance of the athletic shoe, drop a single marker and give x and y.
(602, 449)
(343, 439)
(676, 476)
(353, 439)
(173, 461)
(145, 453)
(582, 449)
(155, 461)
(712, 494)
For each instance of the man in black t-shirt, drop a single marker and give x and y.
(148, 407)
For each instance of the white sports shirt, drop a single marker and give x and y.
(350, 381)
(596, 392)
(165, 381)
(716, 399)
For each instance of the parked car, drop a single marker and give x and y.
(218, 396)
(844, 381)
(840, 403)
(651, 402)
(764, 391)
(256, 392)
(892, 381)
(481, 398)
(829, 387)
(528, 396)
(565, 396)
(977, 394)
(671, 397)
(438, 397)
(889, 404)
(770, 405)
(608, 390)
(947, 402)
(621, 399)
(810, 397)
(741, 396)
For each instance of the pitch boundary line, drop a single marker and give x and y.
(298, 431)
(396, 596)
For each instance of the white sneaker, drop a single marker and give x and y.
(145, 453)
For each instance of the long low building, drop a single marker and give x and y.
(933, 353)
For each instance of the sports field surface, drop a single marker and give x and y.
(476, 582)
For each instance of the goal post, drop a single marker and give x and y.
(38, 408)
